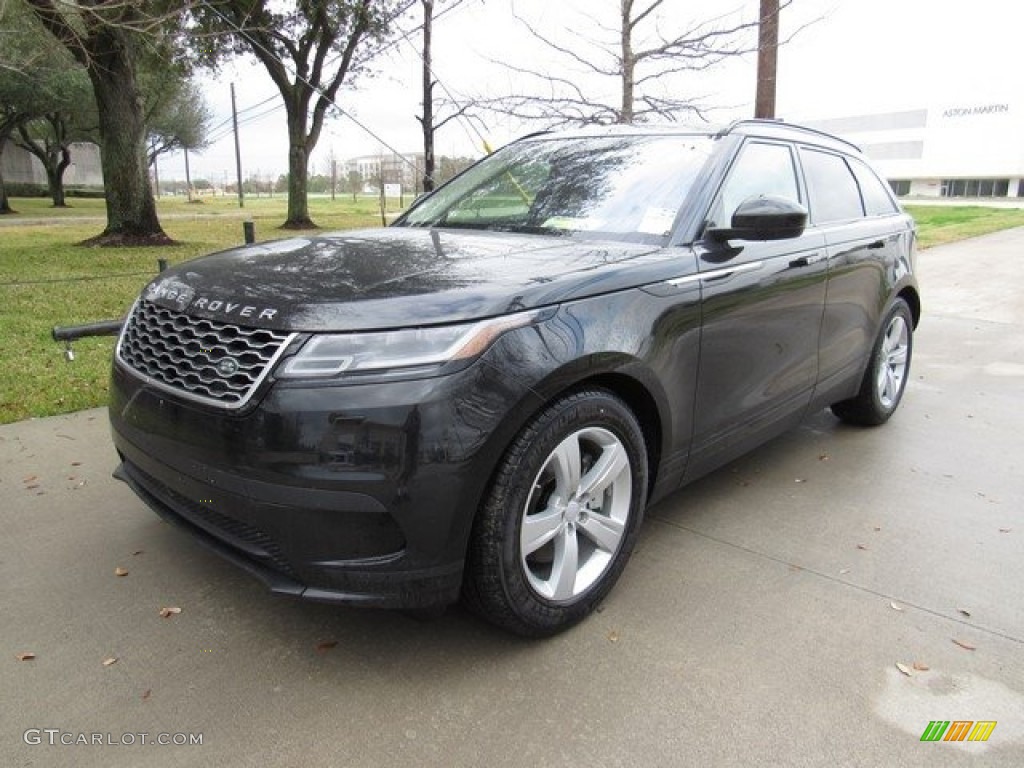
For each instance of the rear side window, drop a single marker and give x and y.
(831, 187)
(760, 169)
(877, 200)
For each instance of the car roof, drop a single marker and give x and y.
(769, 129)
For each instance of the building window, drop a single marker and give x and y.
(975, 187)
(900, 187)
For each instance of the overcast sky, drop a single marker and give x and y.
(849, 57)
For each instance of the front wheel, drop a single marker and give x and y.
(886, 377)
(561, 516)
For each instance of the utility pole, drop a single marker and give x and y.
(767, 58)
(238, 148)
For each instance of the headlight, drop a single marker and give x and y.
(339, 354)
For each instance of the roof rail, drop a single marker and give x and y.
(780, 123)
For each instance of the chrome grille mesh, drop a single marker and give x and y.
(182, 353)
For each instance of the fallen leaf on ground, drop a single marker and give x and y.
(920, 666)
(171, 611)
(30, 478)
(896, 607)
(964, 644)
(25, 656)
(964, 611)
(109, 660)
(904, 669)
(76, 463)
(119, 571)
(823, 457)
(326, 645)
(862, 546)
(137, 552)
(613, 636)
(31, 487)
(145, 694)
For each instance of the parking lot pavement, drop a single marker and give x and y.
(760, 621)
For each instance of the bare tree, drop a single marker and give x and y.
(107, 38)
(309, 48)
(429, 121)
(637, 53)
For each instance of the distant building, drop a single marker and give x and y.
(21, 167)
(388, 168)
(958, 149)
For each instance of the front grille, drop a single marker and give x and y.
(216, 363)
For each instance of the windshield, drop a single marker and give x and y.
(625, 187)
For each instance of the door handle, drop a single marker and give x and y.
(877, 245)
(806, 261)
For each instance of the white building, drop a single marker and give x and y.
(961, 149)
(21, 167)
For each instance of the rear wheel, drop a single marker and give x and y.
(561, 516)
(886, 377)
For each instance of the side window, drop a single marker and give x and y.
(877, 199)
(833, 192)
(760, 169)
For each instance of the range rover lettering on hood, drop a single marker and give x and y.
(235, 308)
(175, 294)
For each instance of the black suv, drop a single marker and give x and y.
(481, 399)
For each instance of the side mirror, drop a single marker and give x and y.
(768, 217)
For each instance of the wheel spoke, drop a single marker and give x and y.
(565, 462)
(605, 532)
(882, 381)
(889, 386)
(563, 572)
(604, 472)
(538, 529)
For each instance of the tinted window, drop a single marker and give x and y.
(760, 169)
(833, 192)
(874, 191)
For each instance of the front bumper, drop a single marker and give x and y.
(361, 494)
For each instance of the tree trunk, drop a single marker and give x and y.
(628, 63)
(131, 208)
(428, 98)
(5, 204)
(5, 135)
(298, 171)
(53, 154)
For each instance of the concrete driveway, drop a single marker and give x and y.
(760, 621)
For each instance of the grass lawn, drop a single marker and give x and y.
(938, 224)
(46, 280)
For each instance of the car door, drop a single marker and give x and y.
(762, 306)
(865, 235)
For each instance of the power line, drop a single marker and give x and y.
(317, 89)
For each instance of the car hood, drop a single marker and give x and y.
(395, 277)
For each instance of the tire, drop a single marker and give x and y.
(560, 518)
(886, 376)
